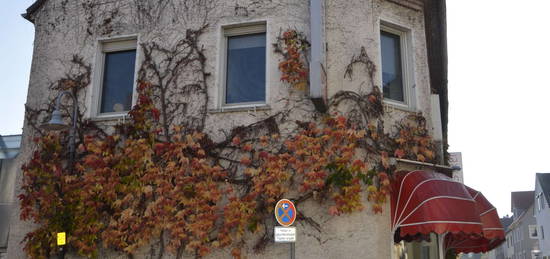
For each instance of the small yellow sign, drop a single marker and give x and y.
(61, 238)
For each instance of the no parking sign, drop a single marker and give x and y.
(285, 212)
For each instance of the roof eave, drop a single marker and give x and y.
(27, 17)
(32, 9)
(544, 188)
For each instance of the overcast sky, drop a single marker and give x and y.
(498, 95)
(16, 42)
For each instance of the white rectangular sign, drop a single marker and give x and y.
(285, 234)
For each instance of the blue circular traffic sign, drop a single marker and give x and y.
(285, 212)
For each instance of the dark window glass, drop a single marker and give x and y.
(118, 81)
(392, 75)
(245, 80)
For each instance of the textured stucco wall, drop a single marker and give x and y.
(354, 24)
(65, 28)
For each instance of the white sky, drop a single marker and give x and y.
(499, 97)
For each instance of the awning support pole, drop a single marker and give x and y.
(392, 247)
(440, 245)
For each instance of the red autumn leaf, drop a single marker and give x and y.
(247, 147)
(358, 163)
(245, 161)
(201, 153)
(372, 98)
(399, 153)
(263, 155)
(383, 176)
(377, 208)
(385, 160)
(236, 253)
(333, 211)
(236, 141)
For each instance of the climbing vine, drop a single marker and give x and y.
(293, 46)
(413, 141)
(159, 180)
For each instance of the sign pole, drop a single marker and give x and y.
(61, 242)
(285, 214)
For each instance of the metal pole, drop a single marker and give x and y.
(73, 134)
(72, 131)
(61, 254)
(72, 148)
(72, 144)
(292, 250)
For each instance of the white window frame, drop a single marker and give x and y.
(407, 64)
(107, 45)
(238, 30)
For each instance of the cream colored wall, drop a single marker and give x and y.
(354, 24)
(61, 32)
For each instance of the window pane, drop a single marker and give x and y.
(392, 78)
(118, 81)
(245, 69)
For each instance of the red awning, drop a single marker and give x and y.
(425, 202)
(493, 232)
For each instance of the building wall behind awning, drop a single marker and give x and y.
(8, 172)
(5, 210)
(9, 149)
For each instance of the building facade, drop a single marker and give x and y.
(542, 212)
(521, 241)
(218, 62)
(500, 251)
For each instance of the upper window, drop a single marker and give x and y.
(540, 201)
(117, 63)
(394, 56)
(533, 232)
(245, 65)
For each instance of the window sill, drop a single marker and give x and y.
(241, 108)
(391, 105)
(110, 117)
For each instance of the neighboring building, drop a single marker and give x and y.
(520, 202)
(500, 251)
(542, 213)
(521, 241)
(9, 149)
(405, 39)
